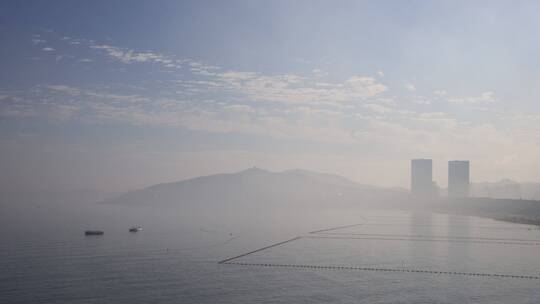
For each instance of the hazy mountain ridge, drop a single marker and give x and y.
(257, 187)
(506, 189)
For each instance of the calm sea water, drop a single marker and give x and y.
(45, 258)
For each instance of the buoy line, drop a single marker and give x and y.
(412, 239)
(260, 249)
(428, 236)
(401, 270)
(334, 228)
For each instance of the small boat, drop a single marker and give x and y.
(93, 232)
(135, 229)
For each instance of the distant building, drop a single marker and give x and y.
(422, 177)
(458, 178)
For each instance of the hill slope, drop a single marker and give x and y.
(257, 187)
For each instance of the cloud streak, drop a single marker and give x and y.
(361, 110)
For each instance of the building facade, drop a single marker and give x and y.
(459, 178)
(422, 177)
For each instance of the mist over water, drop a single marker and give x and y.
(175, 257)
(206, 151)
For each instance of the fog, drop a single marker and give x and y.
(356, 89)
(269, 151)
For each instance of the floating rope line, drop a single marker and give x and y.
(325, 234)
(444, 225)
(322, 267)
(260, 249)
(335, 228)
(426, 240)
(428, 236)
(380, 237)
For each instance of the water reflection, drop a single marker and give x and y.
(420, 224)
(458, 253)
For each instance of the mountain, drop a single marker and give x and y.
(258, 188)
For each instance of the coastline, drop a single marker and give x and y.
(518, 219)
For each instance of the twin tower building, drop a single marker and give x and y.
(422, 178)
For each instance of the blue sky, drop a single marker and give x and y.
(116, 95)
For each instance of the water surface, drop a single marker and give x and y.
(45, 258)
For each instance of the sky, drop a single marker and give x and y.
(118, 95)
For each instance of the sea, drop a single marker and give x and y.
(256, 255)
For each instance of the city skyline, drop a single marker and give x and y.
(423, 183)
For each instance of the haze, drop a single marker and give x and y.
(279, 151)
(120, 95)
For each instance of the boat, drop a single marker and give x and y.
(135, 229)
(93, 232)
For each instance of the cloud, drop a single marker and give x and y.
(486, 97)
(64, 112)
(48, 49)
(202, 68)
(318, 73)
(421, 101)
(356, 111)
(410, 87)
(37, 41)
(61, 102)
(377, 108)
(390, 132)
(439, 93)
(291, 88)
(240, 108)
(64, 89)
(130, 56)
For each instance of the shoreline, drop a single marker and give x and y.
(516, 219)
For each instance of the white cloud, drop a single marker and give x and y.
(131, 56)
(37, 41)
(410, 87)
(377, 108)
(318, 73)
(240, 108)
(64, 89)
(48, 49)
(64, 111)
(202, 68)
(355, 110)
(421, 100)
(399, 132)
(292, 88)
(439, 93)
(486, 97)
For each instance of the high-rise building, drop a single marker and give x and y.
(458, 178)
(422, 177)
